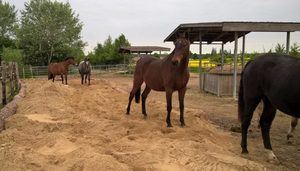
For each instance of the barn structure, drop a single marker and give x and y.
(222, 33)
(142, 49)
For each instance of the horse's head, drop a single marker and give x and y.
(70, 60)
(182, 49)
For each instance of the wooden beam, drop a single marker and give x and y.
(222, 56)
(235, 64)
(287, 42)
(200, 60)
(243, 52)
(261, 26)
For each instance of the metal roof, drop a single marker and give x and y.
(224, 31)
(142, 49)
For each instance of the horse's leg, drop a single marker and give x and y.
(53, 78)
(144, 97)
(135, 89)
(266, 120)
(82, 76)
(62, 78)
(250, 105)
(293, 125)
(89, 77)
(85, 78)
(169, 106)
(66, 76)
(181, 94)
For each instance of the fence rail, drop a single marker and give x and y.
(28, 71)
(9, 81)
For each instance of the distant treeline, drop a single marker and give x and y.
(108, 52)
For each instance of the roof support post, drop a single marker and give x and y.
(287, 42)
(200, 61)
(235, 64)
(243, 52)
(222, 56)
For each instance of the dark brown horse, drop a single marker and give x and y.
(169, 74)
(60, 68)
(274, 79)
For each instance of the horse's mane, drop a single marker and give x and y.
(67, 58)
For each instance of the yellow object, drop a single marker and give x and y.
(205, 63)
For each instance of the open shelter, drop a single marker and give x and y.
(222, 33)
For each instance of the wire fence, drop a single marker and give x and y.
(28, 71)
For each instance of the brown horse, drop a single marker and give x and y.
(60, 68)
(169, 74)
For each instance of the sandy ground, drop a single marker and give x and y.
(75, 127)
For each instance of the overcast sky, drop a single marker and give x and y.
(149, 22)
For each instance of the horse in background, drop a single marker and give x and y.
(169, 74)
(60, 68)
(85, 69)
(274, 79)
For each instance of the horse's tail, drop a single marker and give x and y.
(241, 102)
(138, 95)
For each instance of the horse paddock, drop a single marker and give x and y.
(80, 127)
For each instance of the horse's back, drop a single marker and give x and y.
(57, 68)
(277, 78)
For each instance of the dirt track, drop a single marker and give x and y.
(77, 127)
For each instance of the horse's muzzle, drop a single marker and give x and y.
(176, 63)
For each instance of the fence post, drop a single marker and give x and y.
(3, 81)
(31, 71)
(23, 72)
(17, 75)
(10, 74)
(218, 84)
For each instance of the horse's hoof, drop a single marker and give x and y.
(183, 124)
(169, 125)
(145, 116)
(245, 151)
(289, 136)
(272, 158)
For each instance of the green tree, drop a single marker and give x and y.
(108, 53)
(50, 30)
(121, 41)
(12, 55)
(279, 48)
(8, 25)
(295, 50)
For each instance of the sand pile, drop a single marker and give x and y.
(75, 127)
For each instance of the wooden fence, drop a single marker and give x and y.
(9, 81)
(220, 84)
